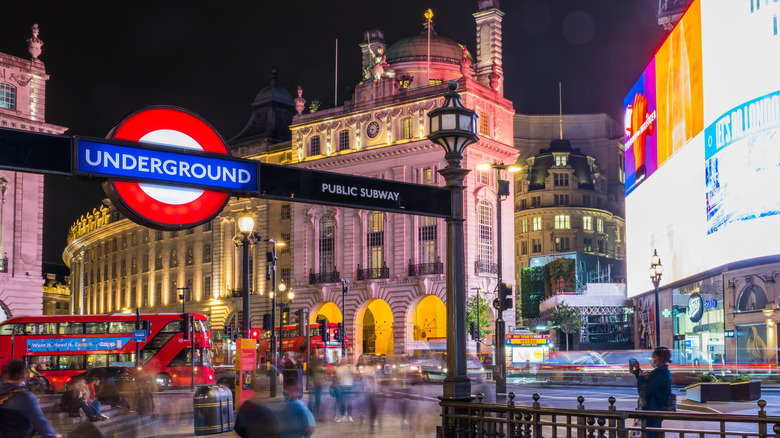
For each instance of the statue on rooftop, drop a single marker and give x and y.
(34, 43)
(300, 102)
(378, 64)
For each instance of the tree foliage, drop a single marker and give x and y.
(561, 276)
(484, 318)
(568, 319)
(531, 291)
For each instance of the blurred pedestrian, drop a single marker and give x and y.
(256, 420)
(655, 387)
(21, 414)
(144, 397)
(344, 381)
(296, 420)
(317, 376)
(86, 430)
(88, 401)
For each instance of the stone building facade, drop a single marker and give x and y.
(23, 107)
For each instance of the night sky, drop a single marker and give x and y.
(107, 59)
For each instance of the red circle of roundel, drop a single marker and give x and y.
(151, 211)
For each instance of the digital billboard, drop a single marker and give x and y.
(702, 138)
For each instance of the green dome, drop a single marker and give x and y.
(415, 48)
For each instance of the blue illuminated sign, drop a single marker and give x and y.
(153, 165)
(76, 344)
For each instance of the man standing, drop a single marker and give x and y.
(296, 420)
(17, 401)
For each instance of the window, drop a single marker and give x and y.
(523, 204)
(207, 226)
(536, 201)
(157, 294)
(485, 233)
(146, 236)
(158, 260)
(484, 123)
(191, 292)
(134, 239)
(158, 235)
(327, 242)
(586, 200)
(123, 268)
(145, 295)
(133, 295)
(426, 175)
(173, 261)
(121, 297)
(587, 244)
(621, 168)
(536, 245)
(105, 271)
(523, 247)
(602, 247)
(537, 223)
(561, 244)
(314, 145)
(561, 179)
(483, 176)
(286, 211)
(113, 245)
(124, 242)
(426, 236)
(600, 225)
(376, 239)
(134, 266)
(189, 231)
(174, 234)
(523, 225)
(344, 139)
(174, 290)
(587, 223)
(561, 159)
(206, 253)
(286, 239)
(286, 273)
(406, 129)
(561, 199)
(598, 203)
(562, 222)
(113, 270)
(7, 96)
(207, 287)
(190, 260)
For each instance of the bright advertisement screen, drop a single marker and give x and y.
(702, 133)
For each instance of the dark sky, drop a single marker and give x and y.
(108, 58)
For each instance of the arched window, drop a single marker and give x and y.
(406, 129)
(485, 236)
(327, 241)
(752, 297)
(7, 96)
(376, 239)
(314, 146)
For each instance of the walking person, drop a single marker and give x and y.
(655, 387)
(21, 415)
(296, 420)
(317, 375)
(343, 382)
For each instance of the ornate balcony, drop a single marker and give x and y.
(324, 277)
(485, 267)
(426, 268)
(373, 273)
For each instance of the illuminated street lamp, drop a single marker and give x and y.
(282, 304)
(245, 237)
(502, 190)
(453, 127)
(656, 270)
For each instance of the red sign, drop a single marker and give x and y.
(161, 206)
(527, 339)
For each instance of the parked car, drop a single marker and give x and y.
(435, 369)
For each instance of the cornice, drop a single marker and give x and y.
(377, 153)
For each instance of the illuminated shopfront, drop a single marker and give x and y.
(698, 314)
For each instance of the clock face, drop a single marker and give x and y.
(372, 130)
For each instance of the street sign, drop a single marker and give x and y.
(139, 335)
(35, 152)
(729, 333)
(303, 185)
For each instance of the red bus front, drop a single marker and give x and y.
(63, 346)
(294, 345)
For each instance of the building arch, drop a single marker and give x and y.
(327, 309)
(427, 317)
(374, 331)
(752, 297)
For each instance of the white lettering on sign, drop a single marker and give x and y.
(694, 305)
(361, 192)
(153, 165)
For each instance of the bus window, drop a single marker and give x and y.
(70, 362)
(7, 329)
(97, 328)
(97, 360)
(121, 360)
(118, 327)
(43, 363)
(172, 327)
(200, 326)
(183, 358)
(72, 328)
(267, 334)
(207, 355)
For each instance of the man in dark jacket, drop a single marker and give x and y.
(22, 401)
(655, 387)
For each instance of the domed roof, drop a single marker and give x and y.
(415, 48)
(540, 169)
(273, 93)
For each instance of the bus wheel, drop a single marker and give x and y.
(164, 381)
(39, 385)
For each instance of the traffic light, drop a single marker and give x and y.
(147, 325)
(254, 333)
(473, 330)
(340, 332)
(185, 326)
(267, 325)
(505, 296)
(323, 322)
(240, 331)
(300, 316)
(228, 332)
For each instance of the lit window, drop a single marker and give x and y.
(483, 176)
(587, 245)
(327, 244)
(524, 225)
(561, 159)
(190, 260)
(484, 124)
(600, 225)
(561, 179)
(426, 175)
(314, 146)
(158, 260)
(587, 223)
(432, 82)
(537, 223)
(7, 96)
(426, 235)
(562, 244)
(207, 287)
(562, 222)
(406, 129)
(376, 239)
(344, 140)
(173, 262)
(485, 232)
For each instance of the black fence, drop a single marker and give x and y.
(324, 277)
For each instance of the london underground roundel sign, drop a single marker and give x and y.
(163, 206)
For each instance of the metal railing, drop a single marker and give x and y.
(426, 268)
(373, 273)
(476, 419)
(483, 267)
(333, 276)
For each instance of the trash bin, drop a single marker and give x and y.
(213, 410)
(295, 374)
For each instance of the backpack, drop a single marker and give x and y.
(13, 424)
(70, 401)
(672, 403)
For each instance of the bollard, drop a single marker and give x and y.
(212, 410)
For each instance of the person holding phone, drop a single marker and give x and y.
(655, 387)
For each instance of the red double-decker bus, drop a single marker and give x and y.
(294, 345)
(62, 346)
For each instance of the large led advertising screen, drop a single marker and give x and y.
(702, 138)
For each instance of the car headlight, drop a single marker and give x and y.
(414, 368)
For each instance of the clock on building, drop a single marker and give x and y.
(372, 130)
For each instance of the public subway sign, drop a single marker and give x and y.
(316, 187)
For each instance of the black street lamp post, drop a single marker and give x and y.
(344, 290)
(245, 237)
(282, 304)
(656, 270)
(271, 258)
(453, 127)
